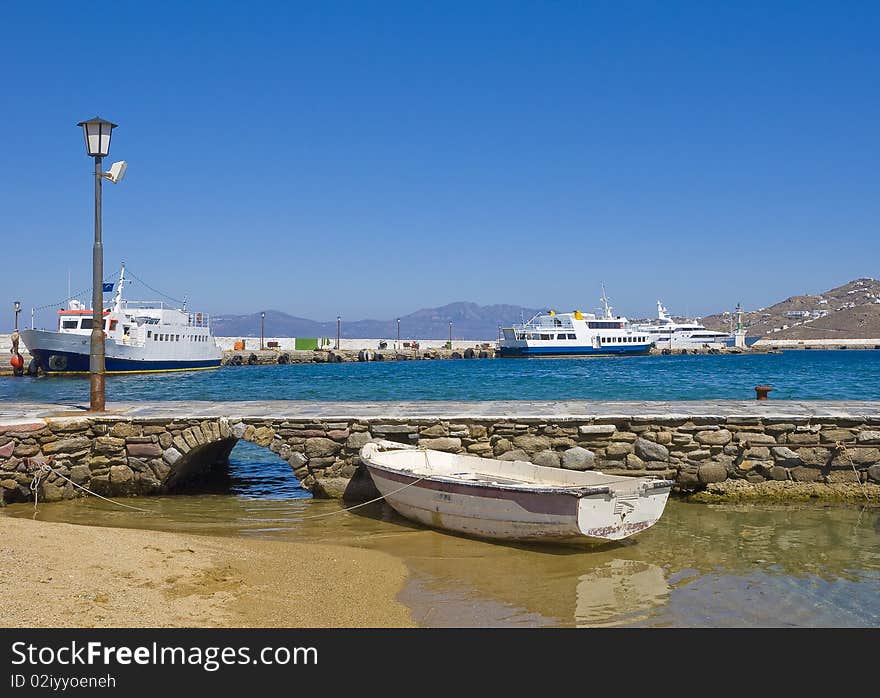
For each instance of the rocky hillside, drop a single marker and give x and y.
(469, 321)
(851, 311)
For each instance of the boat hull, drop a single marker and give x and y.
(524, 351)
(504, 513)
(68, 354)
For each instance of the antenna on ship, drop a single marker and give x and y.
(117, 300)
(185, 299)
(604, 300)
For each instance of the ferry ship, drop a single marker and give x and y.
(574, 334)
(140, 337)
(665, 332)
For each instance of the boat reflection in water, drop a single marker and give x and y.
(619, 591)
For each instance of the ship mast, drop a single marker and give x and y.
(117, 300)
(604, 300)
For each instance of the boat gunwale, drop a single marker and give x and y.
(642, 484)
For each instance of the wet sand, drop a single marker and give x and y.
(62, 575)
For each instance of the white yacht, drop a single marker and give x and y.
(140, 337)
(574, 334)
(669, 333)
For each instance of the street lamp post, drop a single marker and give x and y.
(338, 328)
(97, 133)
(450, 334)
(398, 333)
(16, 306)
(262, 328)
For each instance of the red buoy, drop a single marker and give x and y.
(17, 361)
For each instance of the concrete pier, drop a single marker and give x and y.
(151, 448)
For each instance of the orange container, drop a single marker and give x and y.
(239, 345)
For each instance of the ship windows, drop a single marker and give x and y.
(571, 336)
(86, 323)
(69, 324)
(545, 336)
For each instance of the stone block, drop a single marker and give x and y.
(718, 437)
(802, 473)
(67, 445)
(618, 450)
(754, 439)
(633, 462)
(868, 437)
(602, 430)
(121, 430)
(452, 444)
(578, 458)
(515, 454)
(144, 450)
(263, 436)
(831, 436)
(712, 472)
(549, 459)
(532, 443)
(648, 450)
(356, 441)
(321, 447)
(481, 448)
(435, 430)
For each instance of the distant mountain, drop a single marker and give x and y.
(469, 321)
(851, 311)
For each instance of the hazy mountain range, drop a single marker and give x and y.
(850, 311)
(469, 321)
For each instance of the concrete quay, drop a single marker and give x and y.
(810, 448)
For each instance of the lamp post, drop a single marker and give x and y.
(338, 327)
(398, 333)
(450, 334)
(16, 306)
(262, 328)
(97, 133)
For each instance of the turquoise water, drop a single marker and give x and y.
(807, 375)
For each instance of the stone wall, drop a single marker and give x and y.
(114, 456)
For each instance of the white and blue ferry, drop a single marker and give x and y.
(574, 334)
(141, 337)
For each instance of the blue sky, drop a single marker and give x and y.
(368, 159)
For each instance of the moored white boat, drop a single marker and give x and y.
(511, 500)
(139, 337)
(574, 334)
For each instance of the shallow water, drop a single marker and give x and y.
(701, 565)
(807, 375)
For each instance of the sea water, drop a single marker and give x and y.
(794, 375)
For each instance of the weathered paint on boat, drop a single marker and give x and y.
(511, 500)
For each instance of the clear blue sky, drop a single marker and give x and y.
(368, 159)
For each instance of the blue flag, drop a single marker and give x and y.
(107, 288)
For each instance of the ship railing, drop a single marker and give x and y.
(155, 305)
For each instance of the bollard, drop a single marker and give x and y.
(761, 391)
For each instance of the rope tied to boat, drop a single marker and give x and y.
(842, 448)
(42, 468)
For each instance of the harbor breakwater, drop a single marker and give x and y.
(723, 449)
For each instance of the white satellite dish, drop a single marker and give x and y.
(117, 171)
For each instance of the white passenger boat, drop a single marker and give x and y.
(574, 334)
(140, 337)
(666, 332)
(511, 500)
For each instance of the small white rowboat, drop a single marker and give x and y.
(511, 500)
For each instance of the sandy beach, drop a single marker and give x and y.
(62, 575)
